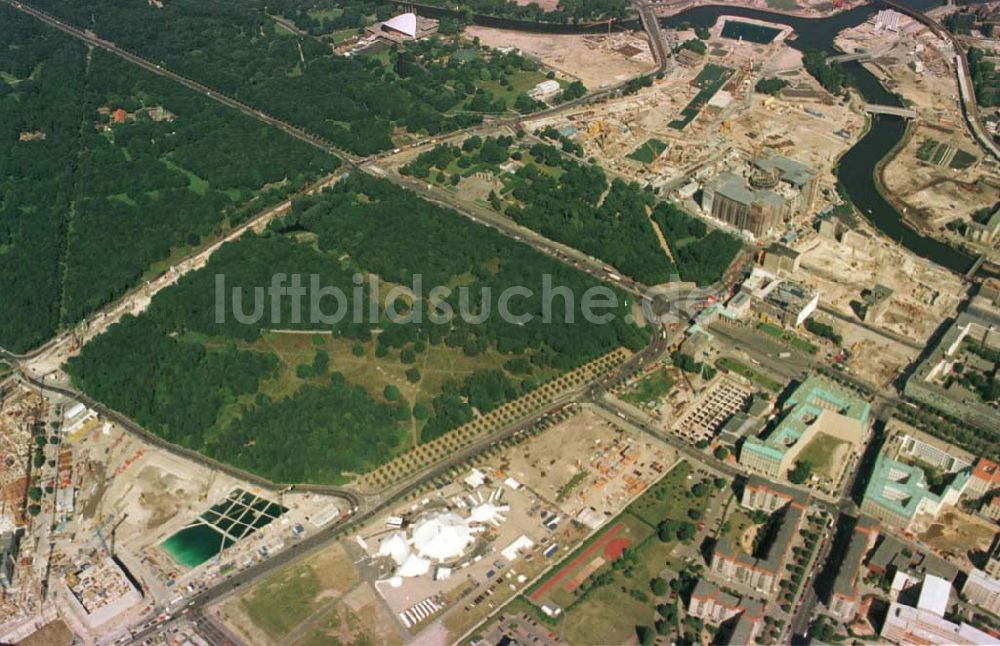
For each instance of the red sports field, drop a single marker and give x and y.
(605, 542)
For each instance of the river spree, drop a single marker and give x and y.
(857, 167)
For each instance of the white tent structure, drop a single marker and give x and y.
(414, 566)
(442, 536)
(404, 23)
(487, 512)
(395, 547)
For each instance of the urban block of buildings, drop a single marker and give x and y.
(780, 300)
(992, 566)
(817, 406)
(779, 257)
(716, 607)
(892, 555)
(982, 590)
(874, 303)
(986, 232)
(101, 590)
(984, 479)
(934, 452)
(930, 383)
(923, 621)
(772, 191)
(844, 596)
(898, 492)
(762, 573)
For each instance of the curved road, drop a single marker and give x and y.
(967, 95)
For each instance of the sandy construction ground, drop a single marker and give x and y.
(918, 66)
(955, 534)
(923, 293)
(593, 60)
(588, 462)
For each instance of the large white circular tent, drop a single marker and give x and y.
(442, 536)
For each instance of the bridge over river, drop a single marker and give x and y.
(893, 110)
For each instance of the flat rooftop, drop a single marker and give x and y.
(815, 401)
(900, 487)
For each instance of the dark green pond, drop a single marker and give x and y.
(749, 31)
(240, 514)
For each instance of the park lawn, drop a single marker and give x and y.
(340, 36)
(520, 81)
(671, 497)
(328, 13)
(650, 388)
(788, 337)
(323, 629)
(632, 529)
(437, 365)
(744, 370)
(195, 184)
(607, 616)
(739, 521)
(819, 453)
(291, 595)
(283, 601)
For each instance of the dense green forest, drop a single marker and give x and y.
(702, 256)
(573, 202)
(322, 17)
(198, 382)
(563, 199)
(90, 204)
(772, 86)
(985, 77)
(355, 102)
(581, 208)
(568, 11)
(831, 77)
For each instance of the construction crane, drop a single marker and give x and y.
(100, 533)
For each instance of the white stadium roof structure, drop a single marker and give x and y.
(404, 23)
